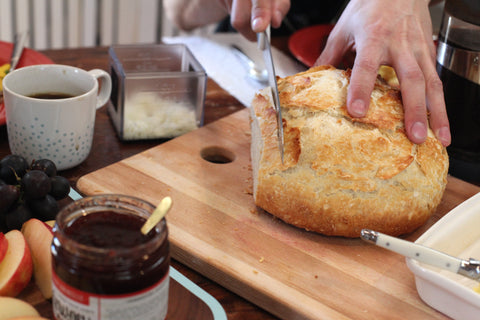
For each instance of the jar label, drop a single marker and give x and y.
(70, 303)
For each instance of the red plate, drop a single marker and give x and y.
(29, 57)
(307, 44)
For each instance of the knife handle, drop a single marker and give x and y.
(18, 45)
(262, 38)
(413, 250)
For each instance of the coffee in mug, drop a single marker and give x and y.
(50, 111)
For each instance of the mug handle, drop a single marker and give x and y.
(105, 87)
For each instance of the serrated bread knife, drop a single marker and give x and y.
(263, 42)
(469, 268)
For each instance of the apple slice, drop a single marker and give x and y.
(39, 237)
(15, 308)
(3, 246)
(51, 223)
(16, 267)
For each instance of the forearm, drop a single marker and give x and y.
(191, 14)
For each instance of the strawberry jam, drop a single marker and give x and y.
(103, 266)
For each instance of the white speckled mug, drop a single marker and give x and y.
(50, 111)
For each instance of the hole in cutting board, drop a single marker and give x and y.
(217, 155)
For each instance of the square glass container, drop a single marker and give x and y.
(158, 91)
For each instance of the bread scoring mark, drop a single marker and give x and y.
(349, 141)
(385, 122)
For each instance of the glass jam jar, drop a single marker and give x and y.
(103, 266)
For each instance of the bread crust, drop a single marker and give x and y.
(342, 174)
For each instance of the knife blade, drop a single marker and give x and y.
(18, 46)
(263, 43)
(469, 268)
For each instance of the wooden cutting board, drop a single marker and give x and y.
(216, 229)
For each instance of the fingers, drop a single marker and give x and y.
(422, 90)
(268, 12)
(438, 114)
(435, 101)
(364, 71)
(364, 75)
(434, 90)
(248, 18)
(240, 16)
(412, 85)
(412, 53)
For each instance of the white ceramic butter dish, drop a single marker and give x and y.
(456, 234)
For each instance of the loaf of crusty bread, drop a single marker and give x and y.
(342, 174)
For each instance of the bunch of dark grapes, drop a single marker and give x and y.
(29, 191)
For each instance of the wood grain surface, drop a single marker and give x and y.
(216, 229)
(108, 149)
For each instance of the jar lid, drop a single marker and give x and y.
(466, 10)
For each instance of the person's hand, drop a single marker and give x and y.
(399, 34)
(249, 17)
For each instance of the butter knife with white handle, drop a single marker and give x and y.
(469, 268)
(18, 46)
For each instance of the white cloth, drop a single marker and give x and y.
(215, 54)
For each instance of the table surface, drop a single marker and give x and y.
(108, 149)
